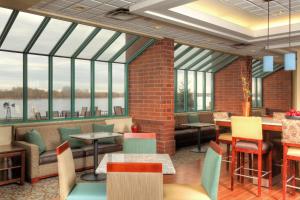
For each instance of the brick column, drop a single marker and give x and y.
(228, 87)
(151, 93)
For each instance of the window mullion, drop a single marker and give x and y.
(204, 90)
(92, 88)
(25, 86)
(73, 87)
(50, 87)
(110, 89)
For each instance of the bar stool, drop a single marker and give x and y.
(247, 137)
(291, 153)
(225, 138)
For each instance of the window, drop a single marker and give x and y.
(113, 48)
(208, 81)
(200, 91)
(11, 86)
(22, 31)
(4, 15)
(61, 88)
(37, 87)
(256, 92)
(82, 88)
(101, 88)
(191, 90)
(50, 36)
(180, 91)
(118, 89)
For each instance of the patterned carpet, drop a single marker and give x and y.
(48, 188)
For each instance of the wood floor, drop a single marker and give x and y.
(190, 174)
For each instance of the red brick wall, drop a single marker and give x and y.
(228, 87)
(151, 93)
(277, 90)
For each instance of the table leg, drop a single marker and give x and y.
(198, 148)
(93, 176)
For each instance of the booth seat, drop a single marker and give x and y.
(187, 136)
(45, 165)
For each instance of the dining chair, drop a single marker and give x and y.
(291, 154)
(209, 181)
(118, 110)
(139, 143)
(134, 181)
(247, 137)
(69, 189)
(224, 138)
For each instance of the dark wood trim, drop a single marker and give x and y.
(61, 148)
(134, 167)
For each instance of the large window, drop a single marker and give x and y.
(101, 89)
(37, 87)
(11, 86)
(257, 92)
(82, 88)
(118, 89)
(193, 91)
(61, 88)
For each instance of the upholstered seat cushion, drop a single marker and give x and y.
(50, 156)
(293, 151)
(253, 145)
(225, 137)
(88, 191)
(184, 192)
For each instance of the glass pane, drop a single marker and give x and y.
(11, 86)
(96, 44)
(200, 91)
(50, 36)
(61, 88)
(101, 89)
(37, 87)
(113, 48)
(22, 31)
(191, 90)
(253, 92)
(180, 50)
(80, 33)
(82, 88)
(193, 60)
(208, 91)
(4, 16)
(118, 89)
(259, 92)
(180, 91)
(185, 57)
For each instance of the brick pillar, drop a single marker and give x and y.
(228, 86)
(151, 93)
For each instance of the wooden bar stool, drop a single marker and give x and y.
(224, 138)
(291, 154)
(247, 137)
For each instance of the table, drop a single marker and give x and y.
(93, 176)
(165, 159)
(12, 164)
(198, 125)
(268, 124)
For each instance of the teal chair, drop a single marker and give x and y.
(139, 143)
(208, 188)
(68, 188)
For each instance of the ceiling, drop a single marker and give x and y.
(214, 33)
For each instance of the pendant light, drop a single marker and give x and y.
(268, 60)
(290, 57)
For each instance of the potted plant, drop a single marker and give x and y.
(245, 78)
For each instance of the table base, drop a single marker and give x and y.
(196, 150)
(93, 177)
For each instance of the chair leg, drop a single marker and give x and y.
(293, 166)
(227, 154)
(284, 173)
(233, 154)
(243, 166)
(270, 169)
(259, 161)
(250, 163)
(238, 160)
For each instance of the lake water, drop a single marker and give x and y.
(41, 105)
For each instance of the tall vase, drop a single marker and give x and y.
(246, 108)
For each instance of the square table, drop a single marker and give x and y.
(94, 137)
(167, 164)
(198, 125)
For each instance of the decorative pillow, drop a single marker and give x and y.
(65, 136)
(34, 137)
(193, 118)
(104, 128)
